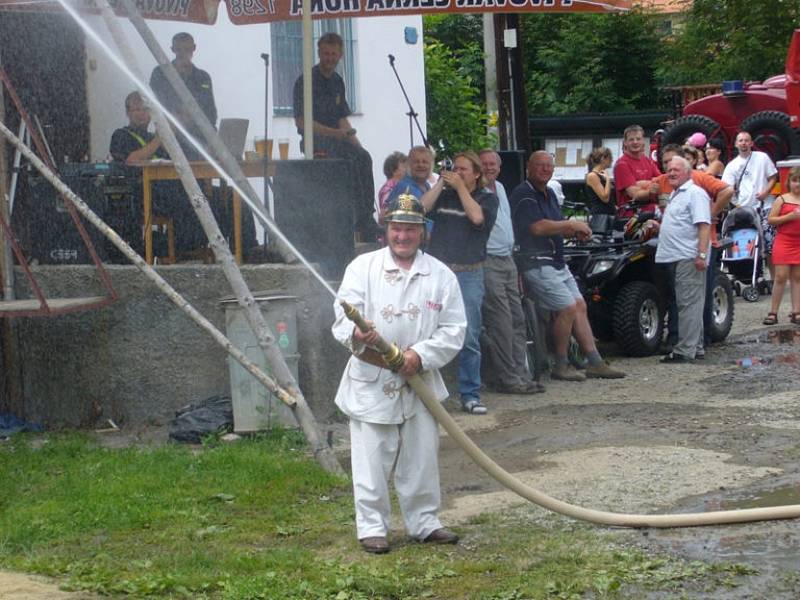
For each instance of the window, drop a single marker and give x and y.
(287, 60)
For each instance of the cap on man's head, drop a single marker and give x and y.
(405, 208)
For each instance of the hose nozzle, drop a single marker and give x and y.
(390, 352)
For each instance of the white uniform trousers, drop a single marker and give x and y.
(413, 449)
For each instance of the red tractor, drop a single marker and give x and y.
(769, 110)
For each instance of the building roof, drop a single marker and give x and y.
(664, 6)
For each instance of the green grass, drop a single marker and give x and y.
(259, 520)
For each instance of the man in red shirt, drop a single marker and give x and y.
(633, 175)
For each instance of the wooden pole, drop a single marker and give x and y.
(266, 340)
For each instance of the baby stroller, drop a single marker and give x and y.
(743, 258)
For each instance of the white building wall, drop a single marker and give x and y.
(232, 56)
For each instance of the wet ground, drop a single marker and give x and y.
(716, 435)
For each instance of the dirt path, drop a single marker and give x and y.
(17, 586)
(668, 438)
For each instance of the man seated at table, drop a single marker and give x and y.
(132, 145)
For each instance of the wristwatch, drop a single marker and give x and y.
(702, 255)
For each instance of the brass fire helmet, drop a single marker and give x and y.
(405, 208)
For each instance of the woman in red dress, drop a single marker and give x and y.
(785, 217)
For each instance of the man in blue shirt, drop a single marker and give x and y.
(540, 228)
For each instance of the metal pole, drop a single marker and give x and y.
(6, 256)
(268, 204)
(308, 62)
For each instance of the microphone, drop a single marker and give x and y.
(391, 60)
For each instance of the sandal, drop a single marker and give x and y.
(772, 319)
(794, 318)
(474, 407)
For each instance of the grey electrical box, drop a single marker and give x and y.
(254, 407)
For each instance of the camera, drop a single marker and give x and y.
(446, 164)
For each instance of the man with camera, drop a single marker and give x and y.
(463, 214)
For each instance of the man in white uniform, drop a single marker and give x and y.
(414, 301)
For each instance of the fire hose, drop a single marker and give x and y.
(394, 360)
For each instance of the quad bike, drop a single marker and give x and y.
(626, 294)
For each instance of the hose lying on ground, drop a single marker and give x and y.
(394, 358)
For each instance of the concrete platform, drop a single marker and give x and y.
(140, 358)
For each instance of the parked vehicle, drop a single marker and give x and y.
(626, 296)
(768, 110)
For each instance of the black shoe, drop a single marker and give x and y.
(676, 358)
(665, 349)
(441, 536)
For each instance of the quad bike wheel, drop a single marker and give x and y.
(750, 293)
(638, 319)
(722, 309)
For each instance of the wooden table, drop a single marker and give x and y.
(165, 170)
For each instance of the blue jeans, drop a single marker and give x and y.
(469, 359)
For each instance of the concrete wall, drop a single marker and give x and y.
(140, 358)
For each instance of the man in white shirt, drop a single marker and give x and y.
(751, 174)
(503, 320)
(415, 301)
(683, 245)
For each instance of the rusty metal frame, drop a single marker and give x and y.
(44, 308)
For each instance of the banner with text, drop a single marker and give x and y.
(243, 12)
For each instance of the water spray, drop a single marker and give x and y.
(394, 359)
(254, 205)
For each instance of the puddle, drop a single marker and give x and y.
(782, 496)
(760, 363)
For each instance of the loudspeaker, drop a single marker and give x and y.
(54, 237)
(512, 169)
(314, 209)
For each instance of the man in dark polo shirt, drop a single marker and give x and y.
(539, 229)
(199, 84)
(334, 137)
(463, 214)
(134, 143)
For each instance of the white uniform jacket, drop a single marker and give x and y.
(421, 309)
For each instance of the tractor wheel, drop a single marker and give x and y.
(683, 127)
(638, 319)
(721, 307)
(772, 134)
(535, 341)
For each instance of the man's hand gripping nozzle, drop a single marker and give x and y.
(391, 353)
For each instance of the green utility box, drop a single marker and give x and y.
(254, 407)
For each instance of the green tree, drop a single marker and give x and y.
(730, 39)
(456, 119)
(590, 63)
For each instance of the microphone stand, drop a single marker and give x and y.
(412, 114)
